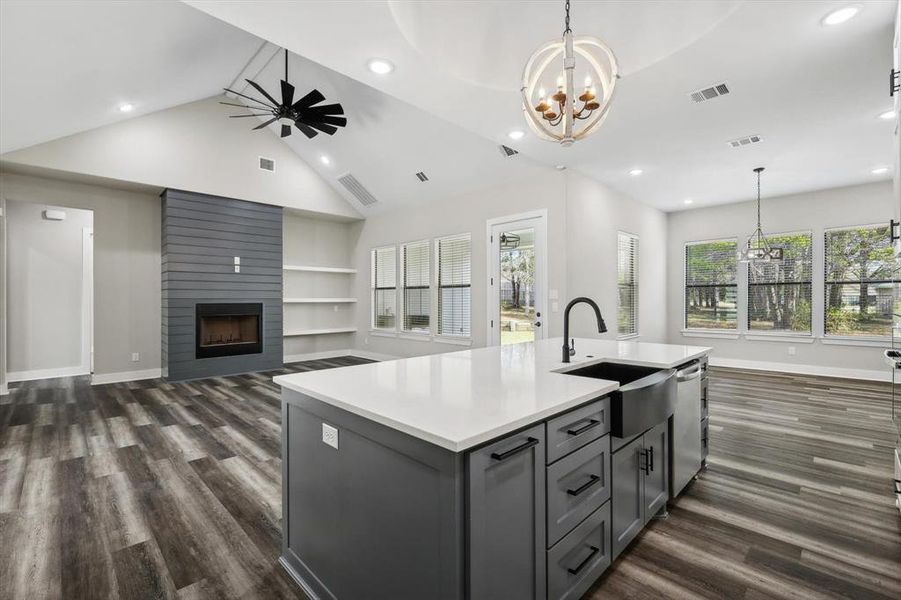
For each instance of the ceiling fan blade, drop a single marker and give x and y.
(241, 105)
(260, 126)
(309, 100)
(307, 130)
(322, 127)
(339, 121)
(249, 98)
(259, 88)
(286, 130)
(251, 115)
(287, 93)
(325, 109)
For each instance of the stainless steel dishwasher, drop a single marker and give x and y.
(687, 452)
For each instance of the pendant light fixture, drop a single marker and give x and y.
(557, 118)
(758, 249)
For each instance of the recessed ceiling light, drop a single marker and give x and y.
(889, 114)
(879, 170)
(516, 134)
(126, 107)
(688, 201)
(841, 15)
(560, 167)
(325, 160)
(635, 172)
(380, 66)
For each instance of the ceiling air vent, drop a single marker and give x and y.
(507, 151)
(422, 177)
(267, 164)
(745, 141)
(714, 91)
(357, 190)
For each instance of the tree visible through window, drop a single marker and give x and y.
(859, 267)
(711, 289)
(779, 292)
(627, 284)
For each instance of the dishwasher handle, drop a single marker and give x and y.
(688, 373)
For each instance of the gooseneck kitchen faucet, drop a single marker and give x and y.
(569, 350)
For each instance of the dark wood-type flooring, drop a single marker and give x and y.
(149, 489)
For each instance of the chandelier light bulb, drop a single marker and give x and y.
(587, 81)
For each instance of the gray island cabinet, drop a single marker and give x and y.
(499, 481)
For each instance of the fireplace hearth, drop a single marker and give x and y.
(228, 329)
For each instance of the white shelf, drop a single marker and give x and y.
(318, 300)
(318, 269)
(320, 331)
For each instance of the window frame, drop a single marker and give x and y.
(438, 335)
(708, 331)
(636, 275)
(833, 338)
(373, 288)
(747, 331)
(402, 288)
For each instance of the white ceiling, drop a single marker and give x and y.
(811, 92)
(67, 66)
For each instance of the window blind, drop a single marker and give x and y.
(859, 289)
(384, 288)
(416, 292)
(779, 292)
(627, 284)
(454, 280)
(711, 289)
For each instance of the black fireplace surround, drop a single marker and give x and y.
(228, 329)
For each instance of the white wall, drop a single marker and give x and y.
(193, 147)
(46, 287)
(126, 265)
(3, 379)
(583, 218)
(319, 243)
(815, 211)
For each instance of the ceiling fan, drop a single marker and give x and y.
(302, 114)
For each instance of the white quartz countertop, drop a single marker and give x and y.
(459, 400)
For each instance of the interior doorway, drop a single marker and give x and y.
(517, 280)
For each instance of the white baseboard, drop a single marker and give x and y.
(292, 358)
(824, 371)
(102, 378)
(13, 376)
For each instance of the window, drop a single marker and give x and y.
(779, 292)
(710, 285)
(384, 288)
(454, 257)
(627, 284)
(416, 294)
(859, 265)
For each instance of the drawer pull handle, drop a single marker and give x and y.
(524, 446)
(594, 479)
(897, 486)
(584, 428)
(651, 454)
(581, 565)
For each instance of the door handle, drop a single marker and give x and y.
(651, 454)
(575, 570)
(591, 423)
(537, 323)
(591, 481)
(646, 468)
(524, 446)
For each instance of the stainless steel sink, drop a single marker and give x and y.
(646, 396)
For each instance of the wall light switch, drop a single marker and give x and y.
(555, 307)
(237, 268)
(552, 294)
(791, 350)
(237, 260)
(135, 357)
(330, 435)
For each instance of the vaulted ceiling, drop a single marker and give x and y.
(812, 93)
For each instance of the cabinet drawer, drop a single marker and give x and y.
(576, 486)
(579, 558)
(705, 434)
(576, 428)
(704, 405)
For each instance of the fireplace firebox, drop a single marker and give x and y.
(229, 329)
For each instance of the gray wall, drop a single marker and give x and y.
(815, 211)
(126, 265)
(46, 287)
(201, 235)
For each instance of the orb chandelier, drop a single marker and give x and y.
(558, 118)
(758, 249)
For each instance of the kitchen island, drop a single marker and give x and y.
(484, 473)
